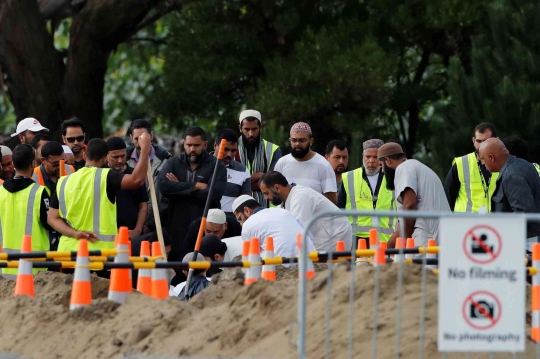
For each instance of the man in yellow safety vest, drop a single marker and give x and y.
(23, 208)
(84, 204)
(257, 154)
(469, 185)
(365, 189)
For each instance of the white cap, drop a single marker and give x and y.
(67, 150)
(29, 123)
(6, 151)
(241, 200)
(216, 216)
(250, 113)
(188, 257)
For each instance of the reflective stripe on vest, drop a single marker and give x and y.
(471, 195)
(98, 193)
(13, 215)
(537, 168)
(385, 201)
(269, 150)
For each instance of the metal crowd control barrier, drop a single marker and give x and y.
(302, 285)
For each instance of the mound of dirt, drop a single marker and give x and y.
(229, 320)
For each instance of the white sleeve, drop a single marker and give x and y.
(302, 209)
(328, 179)
(405, 178)
(247, 175)
(279, 165)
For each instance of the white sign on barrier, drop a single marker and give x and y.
(482, 284)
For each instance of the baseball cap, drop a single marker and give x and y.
(188, 258)
(249, 113)
(241, 200)
(67, 150)
(31, 124)
(6, 151)
(389, 149)
(211, 245)
(216, 216)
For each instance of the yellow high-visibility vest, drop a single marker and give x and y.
(472, 193)
(359, 197)
(84, 205)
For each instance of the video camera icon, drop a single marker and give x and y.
(481, 245)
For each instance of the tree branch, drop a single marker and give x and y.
(156, 17)
(149, 39)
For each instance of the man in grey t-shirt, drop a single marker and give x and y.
(416, 187)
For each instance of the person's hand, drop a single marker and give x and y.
(145, 141)
(200, 186)
(90, 236)
(134, 233)
(145, 229)
(172, 177)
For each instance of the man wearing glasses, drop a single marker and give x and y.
(306, 167)
(469, 185)
(48, 172)
(8, 170)
(73, 136)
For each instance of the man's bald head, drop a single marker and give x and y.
(493, 154)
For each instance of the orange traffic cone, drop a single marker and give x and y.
(380, 257)
(24, 285)
(410, 245)
(400, 244)
(362, 244)
(431, 243)
(535, 294)
(245, 254)
(310, 270)
(269, 271)
(144, 281)
(120, 285)
(361, 261)
(254, 271)
(373, 239)
(160, 282)
(81, 290)
(340, 246)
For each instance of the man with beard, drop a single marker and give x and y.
(305, 203)
(416, 187)
(257, 154)
(185, 180)
(278, 223)
(469, 185)
(306, 167)
(365, 189)
(73, 136)
(8, 170)
(132, 203)
(337, 155)
(158, 158)
(238, 176)
(27, 129)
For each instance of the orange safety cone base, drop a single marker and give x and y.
(24, 285)
(120, 281)
(144, 285)
(269, 276)
(81, 293)
(160, 289)
(535, 334)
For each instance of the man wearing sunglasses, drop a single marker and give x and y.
(73, 136)
(48, 172)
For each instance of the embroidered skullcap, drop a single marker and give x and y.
(301, 127)
(373, 143)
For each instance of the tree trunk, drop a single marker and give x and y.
(95, 33)
(33, 67)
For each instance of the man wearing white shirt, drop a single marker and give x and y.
(306, 167)
(259, 222)
(305, 203)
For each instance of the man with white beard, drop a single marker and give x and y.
(365, 189)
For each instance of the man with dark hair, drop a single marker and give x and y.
(27, 129)
(469, 185)
(520, 148)
(48, 172)
(337, 155)
(8, 170)
(132, 202)
(185, 181)
(416, 187)
(305, 203)
(306, 167)
(278, 223)
(365, 189)
(238, 177)
(84, 203)
(73, 136)
(254, 152)
(158, 158)
(37, 143)
(23, 208)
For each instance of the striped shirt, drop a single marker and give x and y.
(238, 183)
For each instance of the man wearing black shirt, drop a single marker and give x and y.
(132, 204)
